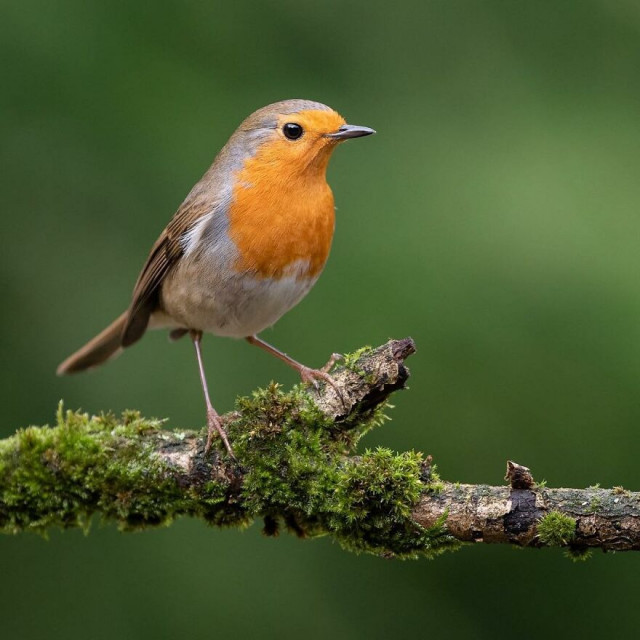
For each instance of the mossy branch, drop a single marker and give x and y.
(296, 466)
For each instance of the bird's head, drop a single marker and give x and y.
(295, 135)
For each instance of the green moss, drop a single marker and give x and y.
(351, 360)
(372, 504)
(621, 491)
(285, 446)
(61, 475)
(578, 554)
(556, 529)
(595, 504)
(298, 469)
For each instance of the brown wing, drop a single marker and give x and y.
(163, 257)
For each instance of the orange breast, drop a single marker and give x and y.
(281, 218)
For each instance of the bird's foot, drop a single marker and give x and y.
(214, 425)
(314, 376)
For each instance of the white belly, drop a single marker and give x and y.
(234, 305)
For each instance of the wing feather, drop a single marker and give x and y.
(164, 255)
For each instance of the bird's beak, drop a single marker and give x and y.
(347, 131)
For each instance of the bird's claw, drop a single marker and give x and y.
(214, 425)
(314, 376)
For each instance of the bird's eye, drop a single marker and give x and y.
(292, 131)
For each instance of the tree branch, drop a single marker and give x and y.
(296, 465)
(536, 516)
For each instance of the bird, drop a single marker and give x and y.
(247, 244)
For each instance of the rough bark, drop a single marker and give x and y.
(296, 465)
(608, 519)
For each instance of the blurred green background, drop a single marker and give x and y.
(494, 218)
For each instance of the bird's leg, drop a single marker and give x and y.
(308, 375)
(213, 419)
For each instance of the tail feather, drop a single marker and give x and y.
(105, 345)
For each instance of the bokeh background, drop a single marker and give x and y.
(494, 218)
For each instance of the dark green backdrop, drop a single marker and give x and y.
(494, 218)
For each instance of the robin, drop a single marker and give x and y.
(246, 245)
